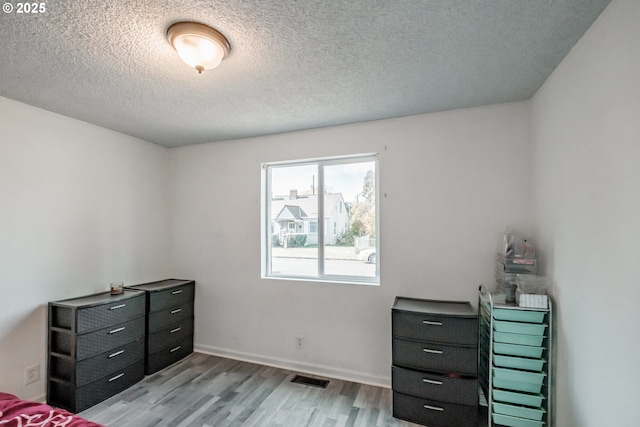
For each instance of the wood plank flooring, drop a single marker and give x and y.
(208, 391)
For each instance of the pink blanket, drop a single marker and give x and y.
(15, 412)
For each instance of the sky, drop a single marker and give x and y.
(341, 178)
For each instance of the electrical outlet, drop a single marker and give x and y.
(299, 343)
(31, 374)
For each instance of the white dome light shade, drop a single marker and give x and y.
(198, 52)
(199, 46)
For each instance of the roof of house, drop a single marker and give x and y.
(308, 204)
(289, 212)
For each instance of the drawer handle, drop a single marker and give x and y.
(431, 322)
(117, 330)
(179, 291)
(177, 310)
(117, 353)
(174, 349)
(428, 350)
(115, 307)
(116, 377)
(176, 329)
(432, 381)
(433, 408)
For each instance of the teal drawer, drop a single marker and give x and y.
(517, 350)
(516, 385)
(515, 375)
(531, 316)
(519, 327)
(518, 362)
(534, 400)
(511, 379)
(509, 338)
(506, 420)
(518, 411)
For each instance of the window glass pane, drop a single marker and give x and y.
(294, 216)
(350, 213)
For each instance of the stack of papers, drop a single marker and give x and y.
(533, 301)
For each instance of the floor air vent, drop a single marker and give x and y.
(314, 382)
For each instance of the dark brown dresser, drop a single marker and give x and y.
(169, 321)
(95, 348)
(435, 362)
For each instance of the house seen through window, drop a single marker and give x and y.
(320, 220)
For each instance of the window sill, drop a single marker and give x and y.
(343, 281)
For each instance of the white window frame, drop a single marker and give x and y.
(322, 225)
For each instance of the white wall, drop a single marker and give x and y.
(586, 147)
(80, 206)
(450, 182)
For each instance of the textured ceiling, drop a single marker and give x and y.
(294, 64)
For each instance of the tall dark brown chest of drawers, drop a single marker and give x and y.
(435, 362)
(95, 348)
(169, 325)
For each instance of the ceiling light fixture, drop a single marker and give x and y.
(198, 45)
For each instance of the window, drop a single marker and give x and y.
(303, 203)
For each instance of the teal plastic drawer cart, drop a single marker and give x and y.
(515, 361)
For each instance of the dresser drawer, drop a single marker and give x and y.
(462, 391)
(94, 367)
(163, 358)
(169, 336)
(162, 319)
(109, 314)
(435, 357)
(77, 399)
(171, 297)
(91, 369)
(435, 328)
(111, 384)
(433, 413)
(109, 338)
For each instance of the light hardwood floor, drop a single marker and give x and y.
(208, 391)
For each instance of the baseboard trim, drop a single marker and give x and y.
(294, 365)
